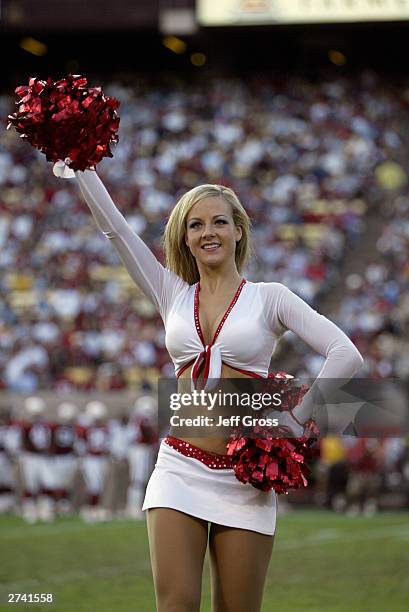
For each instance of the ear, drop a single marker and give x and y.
(239, 233)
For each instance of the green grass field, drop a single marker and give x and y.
(321, 562)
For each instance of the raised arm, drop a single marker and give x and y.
(343, 359)
(158, 283)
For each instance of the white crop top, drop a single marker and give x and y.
(249, 331)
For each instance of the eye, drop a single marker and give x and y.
(194, 224)
(221, 221)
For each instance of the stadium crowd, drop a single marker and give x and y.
(310, 161)
(302, 156)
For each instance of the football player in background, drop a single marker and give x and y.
(93, 443)
(7, 484)
(35, 431)
(142, 452)
(63, 458)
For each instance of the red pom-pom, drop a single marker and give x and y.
(67, 120)
(265, 458)
(283, 383)
(270, 461)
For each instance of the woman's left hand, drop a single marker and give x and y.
(286, 419)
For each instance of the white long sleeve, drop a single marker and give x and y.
(343, 359)
(159, 284)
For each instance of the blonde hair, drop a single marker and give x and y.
(178, 257)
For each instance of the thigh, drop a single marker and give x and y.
(140, 463)
(30, 472)
(354, 485)
(48, 476)
(6, 471)
(94, 468)
(177, 543)
(239, 560)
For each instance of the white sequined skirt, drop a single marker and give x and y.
(215, 495)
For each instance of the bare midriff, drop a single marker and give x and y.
(211, 440)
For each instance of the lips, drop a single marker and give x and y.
(211, 246)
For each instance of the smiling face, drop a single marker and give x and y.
(210, 232)
(204, 214)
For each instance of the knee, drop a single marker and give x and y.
(177, 600)
(177, 607)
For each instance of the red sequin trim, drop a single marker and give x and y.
(212, 460)
(196, 315)
(226, 314)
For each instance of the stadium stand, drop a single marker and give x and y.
(321, 170)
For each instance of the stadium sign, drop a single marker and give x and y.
(258, 12)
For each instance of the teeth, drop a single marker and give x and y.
(209, 247)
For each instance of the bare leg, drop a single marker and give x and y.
(177, 543)
(239, 560)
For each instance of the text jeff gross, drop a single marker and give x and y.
(231, 421)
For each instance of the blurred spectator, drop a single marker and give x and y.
(308, 160)
(365, 461)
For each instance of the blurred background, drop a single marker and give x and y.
(302, 107)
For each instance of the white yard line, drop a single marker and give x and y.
(336, 535)
(54, 529)
(107, 571)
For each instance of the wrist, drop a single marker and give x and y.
(302, 413)
(296, 419)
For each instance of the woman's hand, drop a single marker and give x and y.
(286, 419)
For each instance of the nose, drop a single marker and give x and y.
(208, 231)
